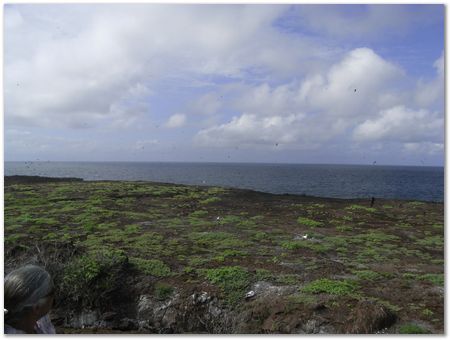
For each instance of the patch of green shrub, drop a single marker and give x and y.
(152, 267)
(303, 299)
(260, 235)
(343, 228)
(308, 222)
(217, 240)
(367, 275)
(431, 241)
(163, 291)
(356, 207)
(412, 329)
(333, 287)
(199, 213)
(94, 271)
(437, 279)
(210, 200)
(230, 219)
(263, 274)
(229, 253)
(233, 280)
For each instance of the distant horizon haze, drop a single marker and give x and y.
(226, 162)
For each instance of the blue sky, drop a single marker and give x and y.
(225, 83)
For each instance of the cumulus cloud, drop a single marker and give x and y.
(82, 77)
(401, 124)
(431, 93)
(351, 86)
(251, 130)
(329, 102)
(177, 120)
(257, 76)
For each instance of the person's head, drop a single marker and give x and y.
(28, 293)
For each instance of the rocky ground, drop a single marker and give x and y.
(141, 257)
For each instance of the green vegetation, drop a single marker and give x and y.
(233, 280)
(163, 291)
(94, 271)
(412, 329)
(431, 241)
(308, 222)
(210, 200)
(333, 287)
(344, 228)
(367, 275)
(93, 236)
(356, 207)
(151, 267)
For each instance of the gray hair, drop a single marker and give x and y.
(25, 287)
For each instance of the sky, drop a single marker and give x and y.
(333, 84)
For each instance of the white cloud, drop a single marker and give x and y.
(401, 124)
(352, 86)
(177, 120)
(432, 92)
(82, 75)
(253, 130)
(125, 66)
(327, 101)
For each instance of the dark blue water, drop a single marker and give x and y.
(341, 181)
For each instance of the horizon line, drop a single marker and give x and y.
(219, 162)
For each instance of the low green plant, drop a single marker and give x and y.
(210, 200)
(152, 267)
(427, 313)
(260, 235)
(343, 228)
(95, 272)
(304, 299)
(217, 240)
(227, 253)
(163, 291)
(412, 328)
(356, 207)
(199, 213)
(333, 287)
(233, 280)
(288, 279)
(230, 219)
(263, 274)
(367, 275)
(308, 222)
(437, 279)
(431, 241)
(50, 236)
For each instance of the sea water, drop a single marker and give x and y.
(339, 181)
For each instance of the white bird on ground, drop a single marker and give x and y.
(249, 294)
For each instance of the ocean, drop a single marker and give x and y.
(338, 181)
